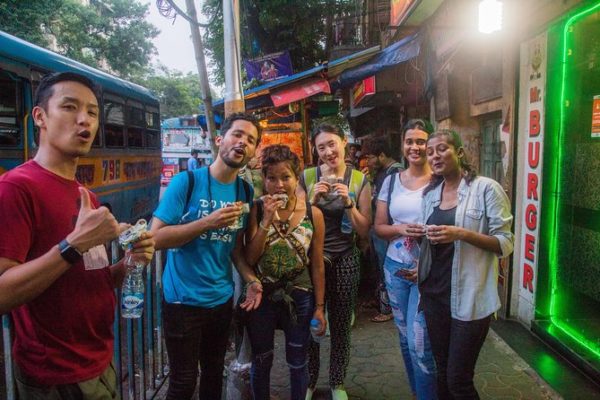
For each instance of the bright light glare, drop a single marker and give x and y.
(490, 16)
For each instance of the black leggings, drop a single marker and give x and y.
(456, 345)
(341, 289)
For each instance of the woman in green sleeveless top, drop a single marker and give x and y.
(285, 242)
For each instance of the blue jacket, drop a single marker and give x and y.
(482, 207)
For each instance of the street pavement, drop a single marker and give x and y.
(376, 370)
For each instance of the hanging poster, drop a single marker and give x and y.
(270, 67)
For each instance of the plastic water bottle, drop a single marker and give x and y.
(315, 327)
(132, 292)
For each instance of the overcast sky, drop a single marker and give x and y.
(173, 44)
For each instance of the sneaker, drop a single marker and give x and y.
(338, 393)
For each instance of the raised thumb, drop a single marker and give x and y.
(86, 203)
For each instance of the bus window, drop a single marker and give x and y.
(135, 128)
(10, 132)
(114, 122)
(152, 130)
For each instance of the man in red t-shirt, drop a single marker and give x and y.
(62, 307)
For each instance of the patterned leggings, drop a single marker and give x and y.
(341, 289)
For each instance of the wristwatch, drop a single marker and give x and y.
(68, 252)
(347, 207)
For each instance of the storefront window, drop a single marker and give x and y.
(570, 296)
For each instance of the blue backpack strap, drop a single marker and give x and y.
(190, 188)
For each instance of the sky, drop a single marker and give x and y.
(174, 44)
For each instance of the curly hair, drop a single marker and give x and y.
(277, 153)
(452, 138)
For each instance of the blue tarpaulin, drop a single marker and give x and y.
(399, 52)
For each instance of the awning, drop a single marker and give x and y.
(300, 91)
(399, 52)
(260, 96)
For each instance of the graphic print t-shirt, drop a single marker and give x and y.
(199, 272)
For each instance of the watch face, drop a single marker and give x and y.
(70, 254)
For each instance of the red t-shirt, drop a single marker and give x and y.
(65, 334)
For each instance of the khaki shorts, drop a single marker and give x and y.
(103, 387)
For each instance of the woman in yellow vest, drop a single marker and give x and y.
(343, 195)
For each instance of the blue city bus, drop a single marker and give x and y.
(124, 165)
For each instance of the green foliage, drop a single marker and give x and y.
(113, 31)
(268, 26)
(178, 94)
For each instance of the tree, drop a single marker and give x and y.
(110, 31)
(178, 94)
(268, 26)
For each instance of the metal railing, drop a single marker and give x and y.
(139, 352)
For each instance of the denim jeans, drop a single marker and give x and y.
(261, 329)
(192, 335)
(414, 339)
(456, 345)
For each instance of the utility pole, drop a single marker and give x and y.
(234, 101)
(238, 374)
(203, 75)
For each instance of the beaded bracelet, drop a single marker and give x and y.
(320, 305)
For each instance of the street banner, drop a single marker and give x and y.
(270, 67)
(530, 160)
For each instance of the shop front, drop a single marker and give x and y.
(558, 187)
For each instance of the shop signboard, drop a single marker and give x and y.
(531, 104)
(363, 89)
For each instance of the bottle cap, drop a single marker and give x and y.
(314, 323)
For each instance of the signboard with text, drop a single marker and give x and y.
(531, 101)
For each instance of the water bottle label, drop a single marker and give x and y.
(133, 302)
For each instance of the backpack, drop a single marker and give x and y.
(190, 189)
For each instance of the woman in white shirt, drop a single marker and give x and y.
(398, 212)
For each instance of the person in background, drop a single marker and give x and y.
(193, 162)
(62, 304)
(383, 164)
(251, 174)
(343, 195)
(203, 230)
(285, 242)
(468, 228)
(399, 204)
(353, 155)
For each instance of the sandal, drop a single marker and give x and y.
(381, 317)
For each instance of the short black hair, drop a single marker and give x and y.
(195, 152)
(226, 125)
(375, 147)
(45, 89)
